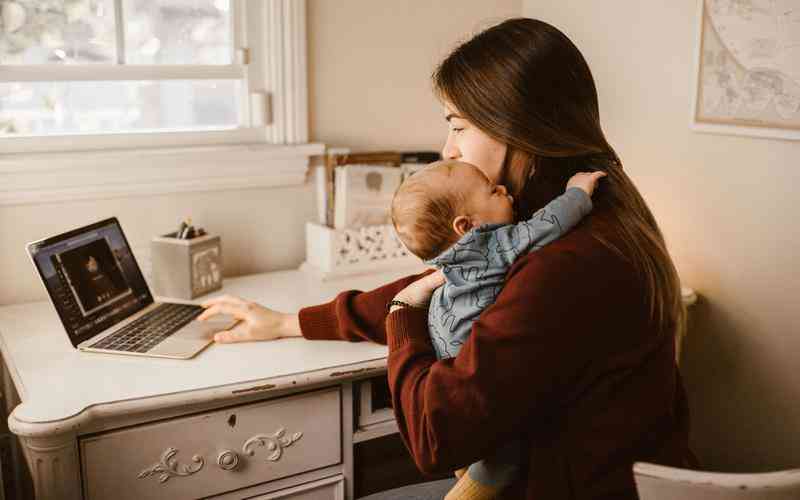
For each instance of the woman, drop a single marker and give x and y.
(576, 357)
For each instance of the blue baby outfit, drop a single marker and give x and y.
(475, 268)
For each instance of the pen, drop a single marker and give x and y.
(184, 234)
(179, 232)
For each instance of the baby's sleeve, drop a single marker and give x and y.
(544, 226)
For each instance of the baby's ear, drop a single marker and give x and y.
(462, 224)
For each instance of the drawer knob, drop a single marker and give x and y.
(228, 460)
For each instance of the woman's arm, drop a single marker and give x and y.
(254, 321)
(352, 315)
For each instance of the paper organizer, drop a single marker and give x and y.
(344, 252)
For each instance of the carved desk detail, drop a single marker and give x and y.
(274, 443)
(168, 467)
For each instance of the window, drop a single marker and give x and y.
(80, 73)
(109, 98)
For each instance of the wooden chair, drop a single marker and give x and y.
(658, 482)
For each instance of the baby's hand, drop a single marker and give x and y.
(586, 181)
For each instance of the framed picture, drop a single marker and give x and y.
(747, 68)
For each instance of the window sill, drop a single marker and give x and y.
(41, 178)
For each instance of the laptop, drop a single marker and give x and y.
(104, 303)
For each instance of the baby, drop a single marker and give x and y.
(455, 219)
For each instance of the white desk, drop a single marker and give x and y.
(92, 424)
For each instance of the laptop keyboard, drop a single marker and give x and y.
(151, 329)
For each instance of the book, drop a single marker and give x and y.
(321, 192)
(325, 189)
(363, 195)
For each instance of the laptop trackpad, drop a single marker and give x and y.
(193, 337)
(205, 330)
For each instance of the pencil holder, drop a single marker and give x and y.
(332, 253)
(186, 268)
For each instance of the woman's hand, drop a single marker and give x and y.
(418, 293)
(256, 322)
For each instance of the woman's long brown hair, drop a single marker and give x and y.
(524, 83)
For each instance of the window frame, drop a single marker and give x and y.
(271, 48)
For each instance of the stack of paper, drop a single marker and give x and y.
(364, 195)
(356, 190)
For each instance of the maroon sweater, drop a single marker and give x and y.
(567, 359)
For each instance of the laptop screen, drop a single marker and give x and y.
(92, 278)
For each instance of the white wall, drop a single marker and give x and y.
(370, 67)
(727, 206)
(261, 229)
(369, 89)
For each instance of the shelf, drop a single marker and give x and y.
(372, 431)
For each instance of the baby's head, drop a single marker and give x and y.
(433, 208)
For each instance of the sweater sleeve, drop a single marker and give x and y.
(524, 340)
(353, 315)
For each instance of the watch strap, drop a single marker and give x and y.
(399, 303)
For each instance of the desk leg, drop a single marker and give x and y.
(348, 424)
(54, 466)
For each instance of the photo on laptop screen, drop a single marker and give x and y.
(92, 278)
(93, 275)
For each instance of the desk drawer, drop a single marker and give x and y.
(329, 488)
(326, 489)
(215, 452)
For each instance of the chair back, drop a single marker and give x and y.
(658, 482)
